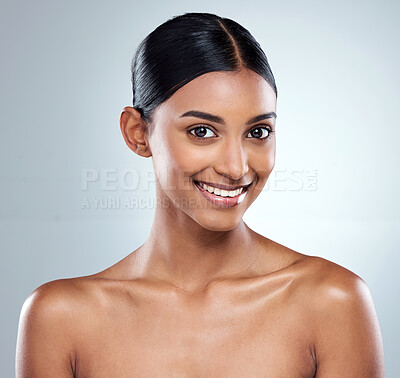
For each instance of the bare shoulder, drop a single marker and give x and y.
(328, 280)
(315, 275)
(340, 314)
(59, 297)
(51, 320)
(332, 288)
(57, 304)
(342, 318)
(323, 284)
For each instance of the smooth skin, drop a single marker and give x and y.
(204, 296)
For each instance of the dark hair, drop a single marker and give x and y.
(187, 46)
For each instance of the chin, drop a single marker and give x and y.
(218, 223)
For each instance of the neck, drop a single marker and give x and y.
(183, 253)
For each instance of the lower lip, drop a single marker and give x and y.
(222, 201)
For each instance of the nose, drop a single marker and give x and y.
(232, 160)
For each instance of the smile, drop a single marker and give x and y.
(222, 195)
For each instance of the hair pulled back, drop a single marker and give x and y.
(187, 46)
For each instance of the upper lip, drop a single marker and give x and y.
(221, 186)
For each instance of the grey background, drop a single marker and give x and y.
(65, 77)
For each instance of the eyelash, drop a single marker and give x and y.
(270, 132)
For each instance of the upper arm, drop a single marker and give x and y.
(44, 343)
(348, 338)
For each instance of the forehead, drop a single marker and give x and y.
(222, 92)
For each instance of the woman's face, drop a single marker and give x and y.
(213, 146)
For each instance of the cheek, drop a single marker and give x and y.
(270, 160)
(263, 164)
(175, 160)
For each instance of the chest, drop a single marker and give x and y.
(229, 337)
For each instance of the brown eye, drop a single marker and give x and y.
(259, 133)
(202, 132)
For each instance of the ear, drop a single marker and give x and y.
(134, 131)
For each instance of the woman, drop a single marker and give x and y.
(204, 296)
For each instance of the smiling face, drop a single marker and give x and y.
(213, 146)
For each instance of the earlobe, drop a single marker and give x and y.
(134, 131)
(143, 151)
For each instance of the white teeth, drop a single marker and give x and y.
(221, 192)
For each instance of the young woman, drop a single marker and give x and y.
(204, 296)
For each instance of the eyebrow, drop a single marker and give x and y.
(217, 119)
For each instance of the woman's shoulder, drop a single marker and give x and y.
(337, 307)
(341, 315)
(67, 296)
(313, 273)
(325, 281)
(51, 321)
(316, 281)
(58, 301)
(335, 296)
(337, 300)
